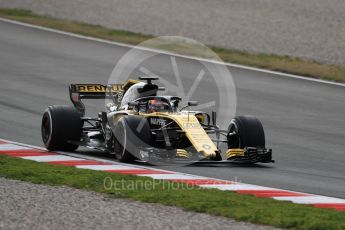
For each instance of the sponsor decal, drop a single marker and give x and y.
(191, 125)
(96, 88)
(157, 121)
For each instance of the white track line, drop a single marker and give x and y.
(236, 186)
(172, 176)
(51, 158)
(304, 198)
(106, 167)
(311, 199)
(6, 147)
(171, 53)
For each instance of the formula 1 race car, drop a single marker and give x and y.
(139, 125)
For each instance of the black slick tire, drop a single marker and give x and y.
(60, 126)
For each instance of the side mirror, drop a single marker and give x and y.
(192, 103)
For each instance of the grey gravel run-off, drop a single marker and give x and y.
(30, 206)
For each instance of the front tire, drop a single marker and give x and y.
(60, 125)
(131, 132)
(245, 131)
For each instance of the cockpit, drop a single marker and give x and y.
(155, 104)
(148, 101)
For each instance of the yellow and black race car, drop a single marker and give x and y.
(138, 125)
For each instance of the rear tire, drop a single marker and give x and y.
(60, 125)
(249, 132)
(131, 132)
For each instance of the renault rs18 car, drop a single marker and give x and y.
(139, 125)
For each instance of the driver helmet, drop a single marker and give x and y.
(157, 106)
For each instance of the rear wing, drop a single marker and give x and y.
(95, 91)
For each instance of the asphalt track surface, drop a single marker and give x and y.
(304, 120)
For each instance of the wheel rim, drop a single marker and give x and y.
(46, 129)
(234, 141)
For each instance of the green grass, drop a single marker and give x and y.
(273, 62)
(212, 201)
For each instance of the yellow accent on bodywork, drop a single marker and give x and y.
(182, 153)
(193, 130)
(129, 83)
(234, 153)
(200, 117)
